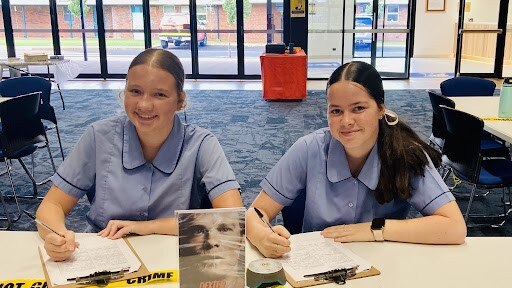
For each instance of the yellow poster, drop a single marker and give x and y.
(297, 8)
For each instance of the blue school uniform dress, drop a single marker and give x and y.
(108, 165)
(317, 165)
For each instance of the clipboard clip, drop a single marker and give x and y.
(101, 278)
(338, 276)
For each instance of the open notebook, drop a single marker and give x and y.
(312, 253)
(95, 254)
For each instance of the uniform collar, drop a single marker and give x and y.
(337, 165)
(167, 157)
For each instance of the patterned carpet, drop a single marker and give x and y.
(254, 134)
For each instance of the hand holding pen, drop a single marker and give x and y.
(274, 242)
(59, 245)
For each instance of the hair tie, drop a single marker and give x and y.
(390, 114)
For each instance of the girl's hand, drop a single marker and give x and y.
(119, 228)
(360, 232)
(275, 244)
(60, 248)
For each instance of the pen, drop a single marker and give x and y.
(263, 218)
(42, 223)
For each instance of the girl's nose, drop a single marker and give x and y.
(145, 102)
(347, 119)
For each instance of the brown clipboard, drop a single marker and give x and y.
(143, 271)
(304, 283)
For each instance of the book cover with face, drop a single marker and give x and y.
(212, 248)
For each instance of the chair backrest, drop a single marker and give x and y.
(438, 123)
(16, 86)
(461, 149)
(293, 215)
(467, 86)
(21, 125)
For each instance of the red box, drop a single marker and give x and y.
(284, 76)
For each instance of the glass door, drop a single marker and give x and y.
(507, 57)
(78, 32)
(379, 35)
(480, 38)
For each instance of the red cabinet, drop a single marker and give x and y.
(284, 76)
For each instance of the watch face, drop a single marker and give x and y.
(378, 223)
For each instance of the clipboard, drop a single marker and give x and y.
(304, 283)
(143, 271)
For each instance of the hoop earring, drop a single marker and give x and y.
(390, 114)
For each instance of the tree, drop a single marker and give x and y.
(74, 7)
(230, 7)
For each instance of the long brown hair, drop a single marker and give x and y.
(401, 151)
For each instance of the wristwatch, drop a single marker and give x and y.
(378, 229)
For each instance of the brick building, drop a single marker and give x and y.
(32, 18)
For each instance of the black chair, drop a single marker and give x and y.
(462, 152)
(490, 146)
(438, 135)
(467, 86)
(21, 131)
(293, 215)
(24, 85)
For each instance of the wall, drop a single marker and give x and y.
(435, 35)
(484, 11)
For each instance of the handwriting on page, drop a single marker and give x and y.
(94, 255)
(312, 253)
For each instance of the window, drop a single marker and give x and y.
(363, 21)
(68, 16)
(392, 13)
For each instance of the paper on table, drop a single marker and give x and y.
(94, 255)
(312, 253)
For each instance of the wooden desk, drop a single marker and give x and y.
(480, 262)
(484, 107)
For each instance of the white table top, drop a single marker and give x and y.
(480, 262)
(64, 69)
(486, 107)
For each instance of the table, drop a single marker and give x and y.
(486, 107)
(63, 70)
(284, 76)
(480, 262)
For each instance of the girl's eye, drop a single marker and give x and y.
(161, 95)
(359, 108)
(335, 111)
(135, 92)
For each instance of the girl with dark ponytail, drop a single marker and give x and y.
(359, 176)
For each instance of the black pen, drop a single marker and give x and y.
(42, 223)
(263, 218)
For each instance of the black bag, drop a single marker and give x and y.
(278, 48)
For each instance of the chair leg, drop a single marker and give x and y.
(33, 163)
(502, 218)
(61, 98)
(34, 184)
(50, 154)
(471, 197)
(51, 160)
(446, 172)
(14, 196)
(60, 143)
(7, 215)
